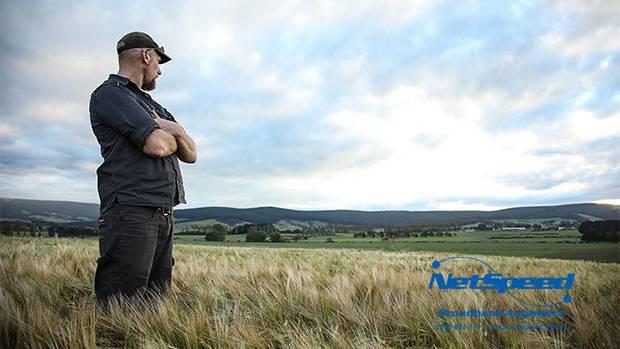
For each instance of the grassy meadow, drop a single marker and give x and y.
(565, 244)
(233, 297)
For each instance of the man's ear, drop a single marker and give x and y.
(146, 57)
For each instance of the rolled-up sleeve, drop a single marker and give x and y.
(117, 109)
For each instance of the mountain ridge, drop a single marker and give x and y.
(83, 213)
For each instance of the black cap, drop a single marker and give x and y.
(141, 40)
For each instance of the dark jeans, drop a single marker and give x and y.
(135, 245)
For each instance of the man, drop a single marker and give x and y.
(140, 180)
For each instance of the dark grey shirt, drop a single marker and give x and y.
(121, 118)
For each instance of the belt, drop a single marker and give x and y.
(165, 210)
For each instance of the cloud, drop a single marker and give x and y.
(404, 104)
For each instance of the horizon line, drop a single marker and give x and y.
(598, 202)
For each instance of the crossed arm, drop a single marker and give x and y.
(169, 139)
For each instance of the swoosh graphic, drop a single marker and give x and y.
(436, 264)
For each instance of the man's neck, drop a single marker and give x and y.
(133, 76)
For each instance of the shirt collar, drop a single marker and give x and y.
(126, 82)
(122, 80)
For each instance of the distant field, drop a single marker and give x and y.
(569, 234)
(180, 226)
(566, 246)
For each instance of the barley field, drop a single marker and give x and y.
(235, 297)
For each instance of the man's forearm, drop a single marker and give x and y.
(160, 144)
(186, 148)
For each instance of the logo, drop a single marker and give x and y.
(500, 283)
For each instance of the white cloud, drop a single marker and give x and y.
(58, 111)
(56, 184)
(417, 123)
(604, 64)
(168, 97)
(6, 130)
(584, 125)
(466, 160)
(609, 202)
(601, 40)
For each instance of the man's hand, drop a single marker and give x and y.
(186, 148)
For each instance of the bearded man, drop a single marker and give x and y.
(139, 181)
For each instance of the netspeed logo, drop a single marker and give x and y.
(496, 281)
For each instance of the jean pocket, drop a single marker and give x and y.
(137, 215)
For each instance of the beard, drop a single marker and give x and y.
(148, 85)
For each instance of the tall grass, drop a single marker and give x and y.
(287, 298)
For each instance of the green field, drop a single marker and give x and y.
(565, 246)
(181, 226)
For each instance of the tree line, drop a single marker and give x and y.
(608, 230)
(35, 229)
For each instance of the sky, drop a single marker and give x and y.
(369, 105)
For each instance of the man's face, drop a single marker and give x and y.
(152, 71)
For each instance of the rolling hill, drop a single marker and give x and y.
(85, 213)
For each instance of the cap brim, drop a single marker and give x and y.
(164, 57)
